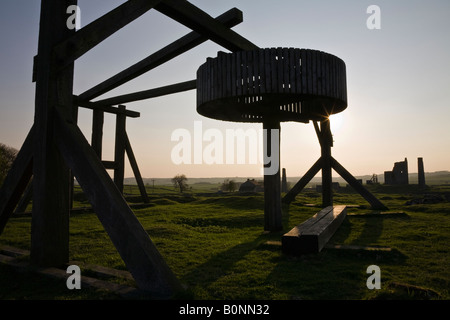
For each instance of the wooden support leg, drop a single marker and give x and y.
(97, 131)
(16, 180)
(26, 198)
(119, 153)
(129, 237)
(290, 196)
(134, 166)
(272, 183)
(325, 146)
(374, 202)
(51, 177)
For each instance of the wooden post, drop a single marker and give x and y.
(326, 141)
(51, 177)
(272, 187)
(119, 153)
(97, 131)
(137, 173)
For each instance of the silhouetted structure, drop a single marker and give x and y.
(56, 150)
(272, 85)
(251, 185)
(373, 179)
(398, 175)
(284, 181)
(421, 172)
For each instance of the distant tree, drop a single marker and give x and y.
(7, 156)
(179, 181)
(229, 185)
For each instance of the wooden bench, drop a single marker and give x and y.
(312, 235)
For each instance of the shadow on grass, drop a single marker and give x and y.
(220, 265)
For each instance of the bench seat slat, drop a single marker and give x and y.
(313, 234)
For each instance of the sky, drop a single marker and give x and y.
(398, 82)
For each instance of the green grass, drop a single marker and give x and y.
(216, 246)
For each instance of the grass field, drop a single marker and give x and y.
(216, 246)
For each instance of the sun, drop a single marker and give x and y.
(336, 121)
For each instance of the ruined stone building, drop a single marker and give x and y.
(398, 175)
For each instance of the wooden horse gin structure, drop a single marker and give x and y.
(274, 85)
(250, 84)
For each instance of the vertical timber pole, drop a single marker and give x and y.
(97, 131)
(272, 183)
(119, 153)
(51, 177)
(326, 142)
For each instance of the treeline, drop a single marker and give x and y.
(7, 156)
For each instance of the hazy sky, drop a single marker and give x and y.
(398, 80)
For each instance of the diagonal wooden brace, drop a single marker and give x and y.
(127, 234)
(16, 181)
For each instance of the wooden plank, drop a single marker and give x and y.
(304, 227)
(312, 235)
(327, 226)
(129, 237)
(136, 171)
(147, 94)
(16, 180)
(298, 71)
(191, 40)
(199, 21)
(105, 108)
(73, 47)
(109, 164)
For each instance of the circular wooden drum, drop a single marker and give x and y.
(275, 84)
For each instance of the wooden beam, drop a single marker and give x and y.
(16, 180)
(136, 171)
(98, 117)
(119, 150)
(374, 202)
(272, 182)
(325, 149)
(105, 108)
(312, 235)
(191, 40)
(51, 177)
(26, 198)
(140, 255)
(199, 21)
(298, 187)
(147, 94)
(109, 164)
(86, 38)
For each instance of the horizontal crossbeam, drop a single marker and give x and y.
(91, 35)
(147, 94)
(199, 21)
(105, 108)
(229, 19)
